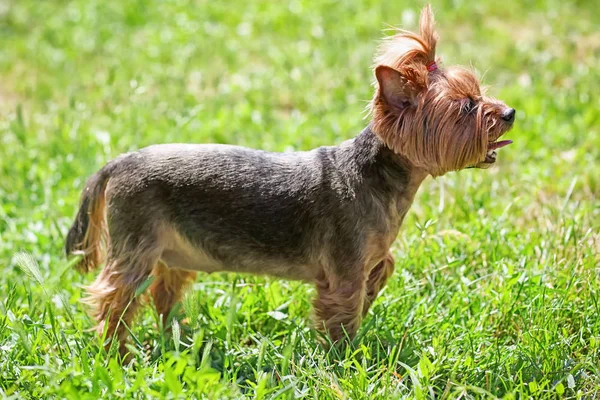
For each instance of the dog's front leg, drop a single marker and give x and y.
(377, 279)
(339, 304)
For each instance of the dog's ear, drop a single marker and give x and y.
(398, 89)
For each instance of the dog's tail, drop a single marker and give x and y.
(88, 236)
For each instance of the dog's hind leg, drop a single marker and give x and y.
(113, 296)
(377, 279)
(168, 287)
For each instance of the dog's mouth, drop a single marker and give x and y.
(490, 156)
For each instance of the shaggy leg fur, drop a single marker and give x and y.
(168, 287)
(338, 307)
(113, 294)
(377, 280)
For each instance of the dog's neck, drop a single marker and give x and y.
(372, 162)
(383, 181)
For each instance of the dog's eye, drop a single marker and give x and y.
(468, 106)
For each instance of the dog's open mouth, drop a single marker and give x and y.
(490, 156)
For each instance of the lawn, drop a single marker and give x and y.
(496, 286)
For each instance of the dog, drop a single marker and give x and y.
(326, 216)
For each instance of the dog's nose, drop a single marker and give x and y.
(508, 115)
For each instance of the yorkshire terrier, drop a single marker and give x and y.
(326, 216)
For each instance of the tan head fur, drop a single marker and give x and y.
(438, 119)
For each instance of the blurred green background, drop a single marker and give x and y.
(495, 291)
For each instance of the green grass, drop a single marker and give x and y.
(496, 285)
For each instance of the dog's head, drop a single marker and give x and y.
(438, 119)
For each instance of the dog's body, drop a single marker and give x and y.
(327, 216)
(294, 215)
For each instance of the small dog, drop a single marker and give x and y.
(326, 216)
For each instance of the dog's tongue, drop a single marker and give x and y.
(497, 145)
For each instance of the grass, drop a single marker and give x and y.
(496, 286)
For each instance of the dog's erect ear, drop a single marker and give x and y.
(397, 89)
